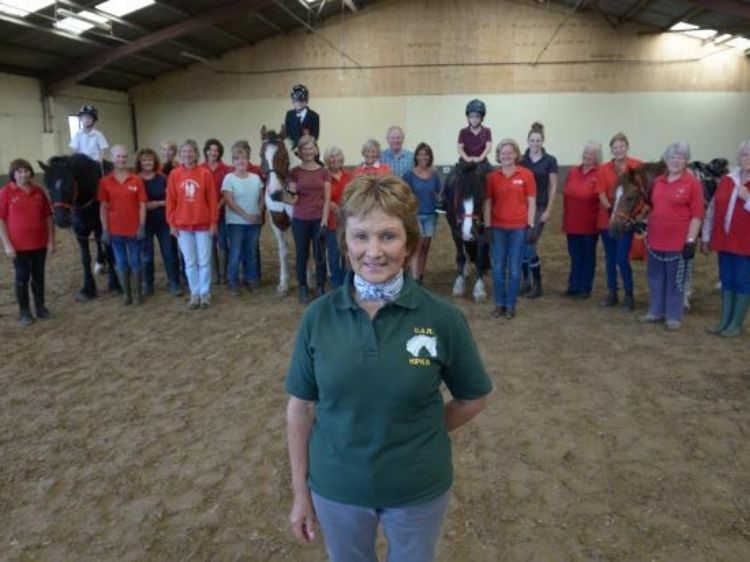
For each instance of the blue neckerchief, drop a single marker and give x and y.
(387, 291)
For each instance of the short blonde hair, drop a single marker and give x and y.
(508, 142)
(370, 144)
(330, 153)
(192, 144)
(388, 194)
(241, 147)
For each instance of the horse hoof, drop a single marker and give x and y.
(459, 287)
(479, 293)
(82, 296)
(99, 268)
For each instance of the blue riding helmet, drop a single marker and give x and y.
(476, 106)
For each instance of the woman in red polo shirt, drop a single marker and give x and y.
(616, 250)
(28, 236)
(674, 221)
(509, 210)
(727, 231)
(340, 178)
(123, 214)
(371, 164)
(213, 152)
(192, 214)
(580, 214)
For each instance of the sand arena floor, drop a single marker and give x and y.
(155, 433)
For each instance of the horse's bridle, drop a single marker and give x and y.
(72, 206)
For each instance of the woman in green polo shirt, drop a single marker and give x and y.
(367, 426)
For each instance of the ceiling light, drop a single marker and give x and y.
(81, 21)
(702, 33)
(120, 8)
(22, 8)
(683, 26)
(741, 43)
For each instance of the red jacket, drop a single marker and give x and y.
(191, 199)
(737, 240)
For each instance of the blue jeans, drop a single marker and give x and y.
(243, 248)
(335, 259)
(305, 232)
(168, 256)
(412, 531)
(617, 255)
(507, 246)
(582, 252)
(127, 251)
(666, 298)
(734, 272)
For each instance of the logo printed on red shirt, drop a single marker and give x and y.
(190, 187)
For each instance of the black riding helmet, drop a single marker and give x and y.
(300, 93)
(89, 110)
(476, 106)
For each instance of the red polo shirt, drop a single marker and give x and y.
(607, 180)
(737, 241)
(219, 174)
(337, 191)
(123, 203)
(580, 202)
(26, 216)
(508, 197)
(673, 205)
(379, 169)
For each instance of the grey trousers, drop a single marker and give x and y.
(412, 532)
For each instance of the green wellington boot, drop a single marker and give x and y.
(741, 304)
(727, 304)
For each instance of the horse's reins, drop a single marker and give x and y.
(72, 206)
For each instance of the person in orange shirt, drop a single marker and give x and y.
(616, 250)
(340, 178)
(192, 214)
(372, 166)
(122, 210)
(213, 152)
(28, 236)
(509, 211)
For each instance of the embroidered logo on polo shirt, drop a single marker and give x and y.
(518, 181)
(133, 188)
(423, 340)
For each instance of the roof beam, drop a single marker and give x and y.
(215, 28)
(731, 7)
(633, 11)
(88, 67)
(683, 17)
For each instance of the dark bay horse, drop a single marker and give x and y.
(463, 201)
(72, 182)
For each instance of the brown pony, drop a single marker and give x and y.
(633, 198)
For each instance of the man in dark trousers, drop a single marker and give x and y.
(301, 120)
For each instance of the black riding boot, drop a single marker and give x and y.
(536, 286)
(24, 310)
(610, 300)
(37, 289)
(628, 302)
(138, 281)
(525, 281)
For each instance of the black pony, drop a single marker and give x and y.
(463, 201)
(72, 182)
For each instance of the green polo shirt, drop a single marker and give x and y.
(379, 439)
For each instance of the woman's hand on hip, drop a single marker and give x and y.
(302, 517)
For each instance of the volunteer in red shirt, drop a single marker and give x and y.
(509, 210)
(28, 236)
(340, 178)
(616, 250)
(371, 165)
(673, 226)
(310, 193)
(213, 152)
(192, 214)
(122, 198)
(727, 231)
(580, 214)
